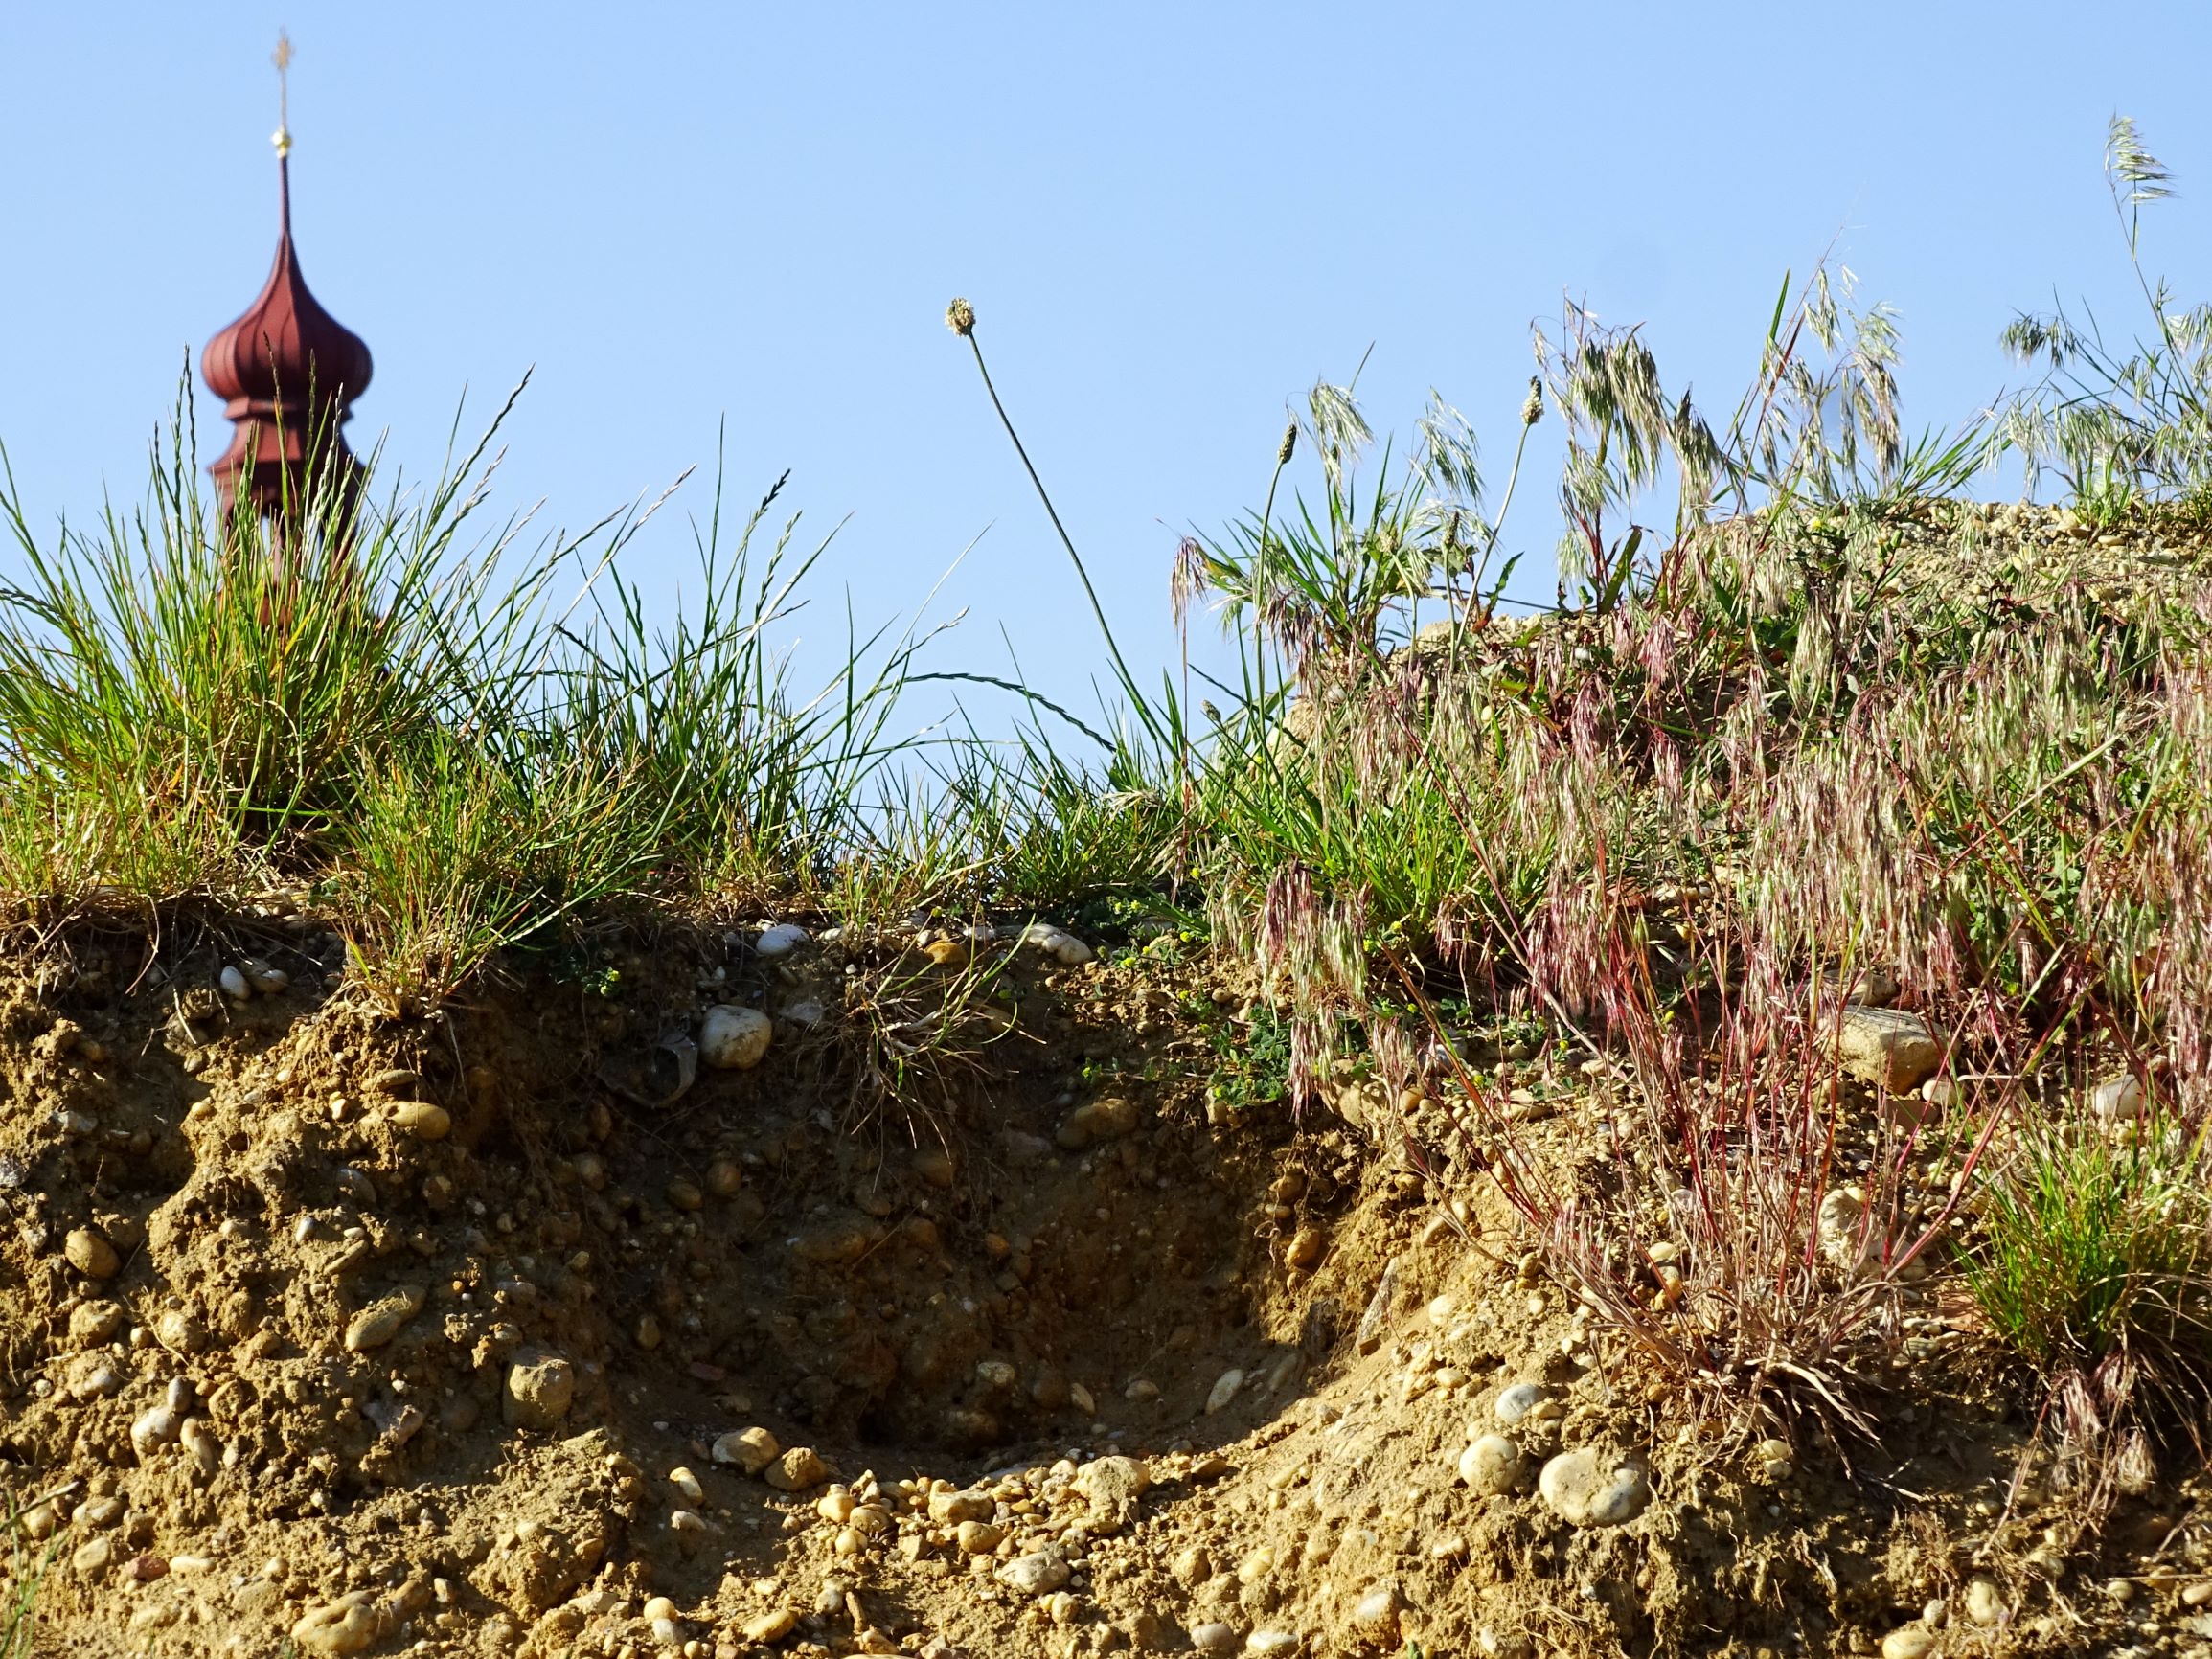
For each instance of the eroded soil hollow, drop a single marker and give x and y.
(261, 1329)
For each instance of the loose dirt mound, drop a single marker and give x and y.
(367, 1334)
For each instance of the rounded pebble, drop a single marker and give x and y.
(732, 1040)
(154, 1428)
(1492, 1465)
(88, 1251)
(1984, 1601)
(978, 1538)
(267, 980)
(423, 1119)
(1518, 1400)
(781, 940)
(1586, 1490)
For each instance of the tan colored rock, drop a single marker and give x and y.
(1111, 1485)
(1586, 1488)
(200, 1443)
(797, 1470)
(1985, 1602)
(541, 1387)
(423, 1119)
(949, 1509)
(1887, 1049)
(88, 1251)
(377, 1324)
(749, 1450)
(180, 1331)
(154, 1428)
(734, 1038)
(771, 1626)
(1036, 1574)
(1105, 1118)
(93, 1323)
(336, 1628)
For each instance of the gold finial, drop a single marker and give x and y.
(281, 58)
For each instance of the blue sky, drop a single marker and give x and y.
(1171, 217)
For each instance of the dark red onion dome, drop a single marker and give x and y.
(289, 372)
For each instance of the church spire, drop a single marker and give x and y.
(286, 370)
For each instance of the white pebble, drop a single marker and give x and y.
(2117, 1100)
(781, 940)
(155, 1428)
(263, 978)
(1058, 943)
(1492, 1466)
(1518, 1400)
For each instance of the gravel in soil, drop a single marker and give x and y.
(335, 1332)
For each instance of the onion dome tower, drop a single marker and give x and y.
(287, 373)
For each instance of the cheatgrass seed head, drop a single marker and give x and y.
(960, 318)
(1187, 579)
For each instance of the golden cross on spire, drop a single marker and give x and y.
(281, 58)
